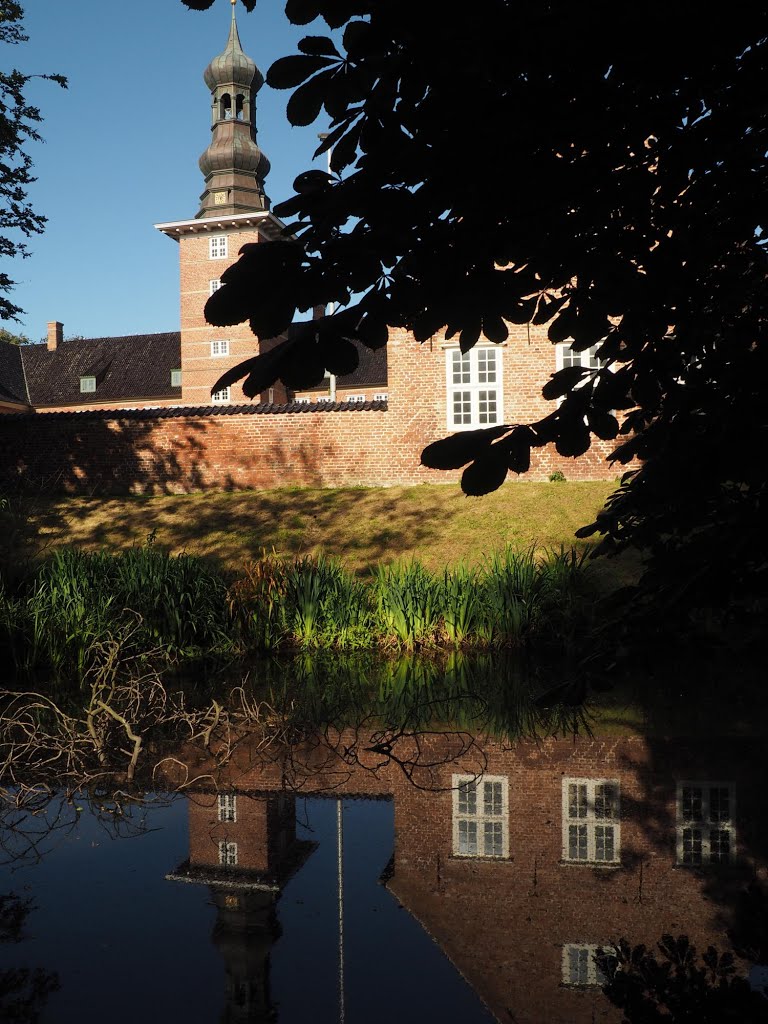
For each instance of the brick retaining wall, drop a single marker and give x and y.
(182, 450)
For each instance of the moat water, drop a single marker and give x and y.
(370, 871)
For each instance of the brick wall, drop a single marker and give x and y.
(189, 449)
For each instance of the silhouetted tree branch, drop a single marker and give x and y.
(17, 127)
(603, 173)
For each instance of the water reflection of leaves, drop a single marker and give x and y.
(23, 990)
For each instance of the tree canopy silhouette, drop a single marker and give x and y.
(17, 126)
(602, 172)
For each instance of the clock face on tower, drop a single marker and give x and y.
(219, 198)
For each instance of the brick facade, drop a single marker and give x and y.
(261, 446)
(200, 367)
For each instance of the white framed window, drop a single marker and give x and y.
(380, 396)
(213, 286)
(221, 397)
(473, 385)
(217, 247)
(480, 816)
(352, 398)
(227, 807)
(227, 853)
(565, 357)
(302, 401)
(271, 396)
(579, 965)
(219, 348)
(705, 823)
(591, 829)
(87, 385)
(175, 378)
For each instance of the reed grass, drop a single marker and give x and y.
(309, 602)
(180, 607)
(77, 599)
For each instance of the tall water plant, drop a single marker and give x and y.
(461, 605)
(408, 604)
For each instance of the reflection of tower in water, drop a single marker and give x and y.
(244, 848)
(246, 928)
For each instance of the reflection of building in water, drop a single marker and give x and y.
(563, 846)
(244, 848)
(520, 873)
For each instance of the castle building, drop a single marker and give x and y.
(157, 421)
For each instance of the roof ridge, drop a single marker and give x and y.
(24, 375)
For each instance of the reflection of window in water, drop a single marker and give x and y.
(579, 964)
(705, 832)
(480, 816)
(232, 902)
(227, 854)
(591, 821)
(227, 807)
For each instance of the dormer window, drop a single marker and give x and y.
(87, 385)
(175, 378)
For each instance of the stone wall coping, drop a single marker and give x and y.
(197, 411)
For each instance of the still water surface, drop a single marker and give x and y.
(369, 874)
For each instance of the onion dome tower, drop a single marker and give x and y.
(233, 165)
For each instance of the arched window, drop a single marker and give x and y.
(225, 107)
(239, 100)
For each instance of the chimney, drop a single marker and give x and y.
(55, 335)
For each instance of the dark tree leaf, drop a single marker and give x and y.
(574, 438)
(518, 447)
(373, 332)
(355, 35)
(319, 46)
(198, 5)
(305, 370)
(563, 326)
(548, 306)
(344, 152)
(311, 181)
(457, 450)
(340, 355)
(261, 372)
(495, 329)
(468, 337)
(562, 382)
(229, 305)
(301, 12)
(522, 311)
(487, 473)
(306, 102)
(289, 72)
(602, 424)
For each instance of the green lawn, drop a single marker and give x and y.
(362, 526)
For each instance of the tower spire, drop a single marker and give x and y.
(233, 165)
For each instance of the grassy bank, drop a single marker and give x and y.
(363, 527)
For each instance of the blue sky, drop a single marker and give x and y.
(121, 149)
